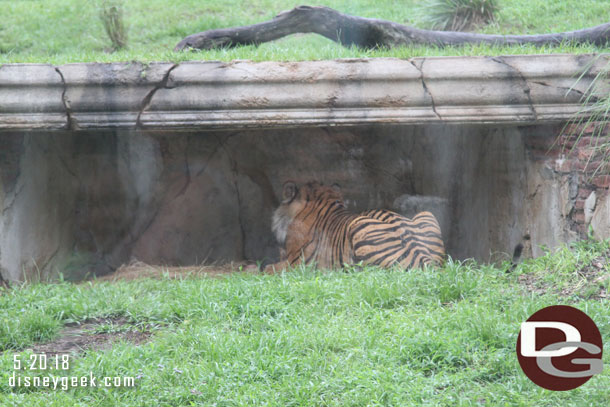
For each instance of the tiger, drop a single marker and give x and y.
(313, 225)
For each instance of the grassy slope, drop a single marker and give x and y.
(59, 31)
(433, 337)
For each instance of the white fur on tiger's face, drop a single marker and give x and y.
(312, 224)
(279, 224)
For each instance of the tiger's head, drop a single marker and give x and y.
(297, 198)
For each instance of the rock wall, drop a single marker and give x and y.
(578, 161)
(85, 202)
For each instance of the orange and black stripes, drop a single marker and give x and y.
(386, 238)
(323, 231)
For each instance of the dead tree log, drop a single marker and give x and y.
(369, 32)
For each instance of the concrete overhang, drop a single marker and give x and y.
(522, 89)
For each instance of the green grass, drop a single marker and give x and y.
(376, 337)
(595, 112)
(61, 31)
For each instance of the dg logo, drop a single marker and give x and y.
(560, 348)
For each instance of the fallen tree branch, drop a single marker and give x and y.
(369, 32)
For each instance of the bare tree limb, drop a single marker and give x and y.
(370, 33)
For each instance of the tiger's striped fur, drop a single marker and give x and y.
(312, 224)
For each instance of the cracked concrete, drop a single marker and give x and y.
(148, 98)
(35, 226)
(423, 82)
(212, 95)
(526, 87)
(567, 89)
(187, 171)
(13, 197)
(238, 198)
(70, 125)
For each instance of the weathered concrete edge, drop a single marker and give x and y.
(242, 94)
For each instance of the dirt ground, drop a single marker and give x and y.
(135, 270)
(588, 281)
(99, 333)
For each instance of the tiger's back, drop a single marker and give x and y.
(385, 238)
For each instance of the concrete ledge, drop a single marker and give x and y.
(212, 95)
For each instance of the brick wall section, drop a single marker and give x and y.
(582, 153)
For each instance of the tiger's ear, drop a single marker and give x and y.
(336, 187)
(289, 191)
